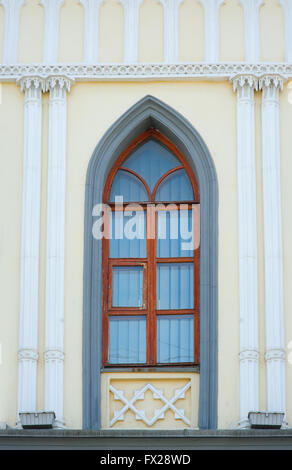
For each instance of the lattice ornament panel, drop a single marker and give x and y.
(150, 401)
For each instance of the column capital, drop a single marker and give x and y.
(168, 3)
(13, 5)
(91, 3)
(207, 3)
(51, 3)
(29, 83)
(58, 82)
(251, 3)
(128, 3)
(240, 81)
(271, 81)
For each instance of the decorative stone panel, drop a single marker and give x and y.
(150, 401)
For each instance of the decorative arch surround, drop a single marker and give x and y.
(152, 113)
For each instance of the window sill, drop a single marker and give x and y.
(153, 369)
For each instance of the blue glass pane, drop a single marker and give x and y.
(174, 234)
(127, 286)
(151, 160)
(175, 286)
(175, 338)
(123, 228)
(127, 340)
(129, 187)
(175, 187)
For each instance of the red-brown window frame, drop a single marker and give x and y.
(150, 263)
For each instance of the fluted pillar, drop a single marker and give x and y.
(171, 10)
(246, 176)
(51, 32)
(275, 342)
(91, 29)
(252, 29)
(131, 29)
(29, 283)
(11, 30)
(54, 348)
(211, 14)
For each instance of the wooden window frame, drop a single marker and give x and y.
(148, 309)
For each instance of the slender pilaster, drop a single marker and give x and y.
(287, 7)
(51, 32)
(249, 355)
(29, 285)
(251, 28)
(54, 351)
(91, 28)
(275, 343)
(211, 12)
(171, 10)
(131, 29)
(11, 30)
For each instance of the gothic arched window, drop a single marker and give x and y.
(151, 257)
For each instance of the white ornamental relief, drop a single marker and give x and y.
(169, 404)
(159, 71)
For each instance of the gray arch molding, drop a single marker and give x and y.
(150, 112)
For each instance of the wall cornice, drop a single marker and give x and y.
(145, 71)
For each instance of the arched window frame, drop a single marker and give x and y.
(149, 309)
(151, 112)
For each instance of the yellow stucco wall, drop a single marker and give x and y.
(272, 38)
(31, 27)
(92, 108)
(71, 32)
(231, 20)
(191, 31)
(151, 32)
(111, 32)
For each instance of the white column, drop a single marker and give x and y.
(251, 28)
(54, 352)
(29, 283)
(91, 29)
(11, 29)
(211, 11)
(275, 343)
(287, 7)
(249, 355)
(131, 29)
(51, 32)
(171, 10)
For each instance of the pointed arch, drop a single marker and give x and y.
(152, 113)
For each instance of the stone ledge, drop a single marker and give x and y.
(150, 439)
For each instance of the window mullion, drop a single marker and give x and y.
(151, 237)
